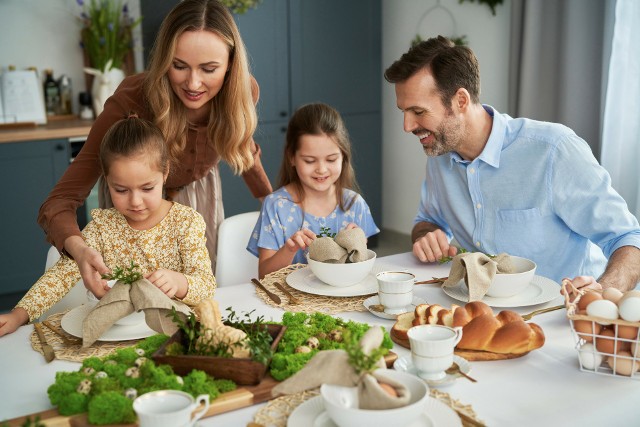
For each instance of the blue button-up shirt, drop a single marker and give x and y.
(535, 191)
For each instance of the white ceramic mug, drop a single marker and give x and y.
(395, 290)
(169, 408)
(432, 349)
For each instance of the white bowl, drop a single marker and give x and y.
(510, 284)
(342, 275)
(341, 403)
(132, 319)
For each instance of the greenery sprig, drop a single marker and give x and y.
(125, 275)
(28, 423)
(446, 259)
(358, 359)
(326, 232)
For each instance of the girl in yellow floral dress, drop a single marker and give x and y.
(167, 240)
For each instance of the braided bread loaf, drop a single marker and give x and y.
(505, 333)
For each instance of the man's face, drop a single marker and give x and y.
(436, 126)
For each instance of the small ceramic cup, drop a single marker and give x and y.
(432, 349)
(395, 290)
(169, 408)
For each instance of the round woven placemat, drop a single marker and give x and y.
(309, 303)
(69, 347)
(277, 411)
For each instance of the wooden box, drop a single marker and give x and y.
(242, 371)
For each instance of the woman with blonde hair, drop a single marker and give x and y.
(198, 90)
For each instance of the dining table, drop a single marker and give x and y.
(546, 387)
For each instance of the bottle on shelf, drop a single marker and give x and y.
(86, 113)
(51, 93)
(64, 83)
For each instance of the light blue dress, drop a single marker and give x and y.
(280, 217)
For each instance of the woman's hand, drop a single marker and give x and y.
(10, 322)
(90, 264)
(301, 239)
(171, 283)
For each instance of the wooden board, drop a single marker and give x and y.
(471, 355)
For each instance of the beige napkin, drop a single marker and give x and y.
(332, 367)
(347, 246)
(477, 270)
(124, 299)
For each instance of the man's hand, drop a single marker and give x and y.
(433, 246)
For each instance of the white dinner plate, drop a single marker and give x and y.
(373, 300)
(312, 413)
(539, 291)
(305, 281)
(72, 323)
(404, 364)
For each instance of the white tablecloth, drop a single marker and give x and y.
(543, 388)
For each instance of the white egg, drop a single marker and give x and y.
(589, 356)
(603, 308)
(630, 309)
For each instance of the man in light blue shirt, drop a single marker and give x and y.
(499, 184)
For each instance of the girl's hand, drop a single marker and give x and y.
(301, 239)
(351, 226)
(10, 322)
(171, 283)
(90, 264)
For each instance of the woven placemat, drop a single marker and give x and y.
(277, 411)
(69, 347)
(309, 303)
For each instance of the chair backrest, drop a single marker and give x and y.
(234, 263)
(75, 297)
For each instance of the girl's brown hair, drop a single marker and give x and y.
(131, 137)
(233, 117)
(318, 119)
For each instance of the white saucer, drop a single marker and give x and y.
(404, 364)
(312, 413)
(375, 300)
(305, 281)
(71, 322)
(539, 291)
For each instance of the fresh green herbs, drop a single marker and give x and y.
(358, 359)
(125, 275)
(446, 259)
(258, 338)
(326, 232)
(28, 423)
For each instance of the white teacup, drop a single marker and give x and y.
(395, 290)
(432, 349)
(169, 408)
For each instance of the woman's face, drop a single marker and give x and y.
(198, 69)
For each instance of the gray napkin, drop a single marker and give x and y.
(477, 270)
(124, 299)
(347, 246)
(332, 367)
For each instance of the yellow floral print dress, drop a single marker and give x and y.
(176, 243)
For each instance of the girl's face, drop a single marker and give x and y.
(197, 73)
(318, 162)
(135, 185)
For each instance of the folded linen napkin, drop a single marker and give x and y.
(347, 246)
(332, 367)
(124, 299)
(477, 270)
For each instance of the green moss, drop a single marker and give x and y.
(111, 408)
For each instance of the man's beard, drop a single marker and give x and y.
(447, 138)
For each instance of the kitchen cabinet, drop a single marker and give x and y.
(304, 51)
(29, 170)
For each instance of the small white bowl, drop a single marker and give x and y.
(510, 284)
(342, 275)
(132, 319)
(341, 403)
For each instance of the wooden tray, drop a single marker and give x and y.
(471, 355)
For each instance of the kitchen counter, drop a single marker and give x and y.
(55, 129)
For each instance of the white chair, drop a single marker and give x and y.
(75, 297)
(234, 263)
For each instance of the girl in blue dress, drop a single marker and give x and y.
(318, 191)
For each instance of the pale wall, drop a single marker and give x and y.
(402, 157)
(46, 34)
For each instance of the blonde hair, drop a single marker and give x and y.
(318, 119)
(233, 118)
